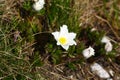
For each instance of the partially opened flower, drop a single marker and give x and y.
(88, 52)
(108, 47)
(64, 38)
(105, 39)
(38, 5)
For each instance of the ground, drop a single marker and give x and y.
(26, 54)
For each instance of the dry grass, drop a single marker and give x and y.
(91, 12)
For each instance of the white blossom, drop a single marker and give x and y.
(88, 52)
(105, 39)
(64, 38)
(98, 69)
(38, 5)
(108, 47)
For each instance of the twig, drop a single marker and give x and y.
(104, 20)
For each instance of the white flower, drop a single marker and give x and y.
(88, 52)
(98, 69)
(38, 5)
(64, 38)
(108, 47)
(105, 39)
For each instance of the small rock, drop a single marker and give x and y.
(111, 72)
(98, 69)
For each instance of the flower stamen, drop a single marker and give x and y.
(62, 40)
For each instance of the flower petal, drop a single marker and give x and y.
(58, 43)
(41, 1)
(108, 46)
(63, 30)
(56, 35)
(70, 38)
(72, 42)
(72, 35)
(65, 47)
(105, 39)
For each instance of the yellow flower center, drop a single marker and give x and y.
(62, 40)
